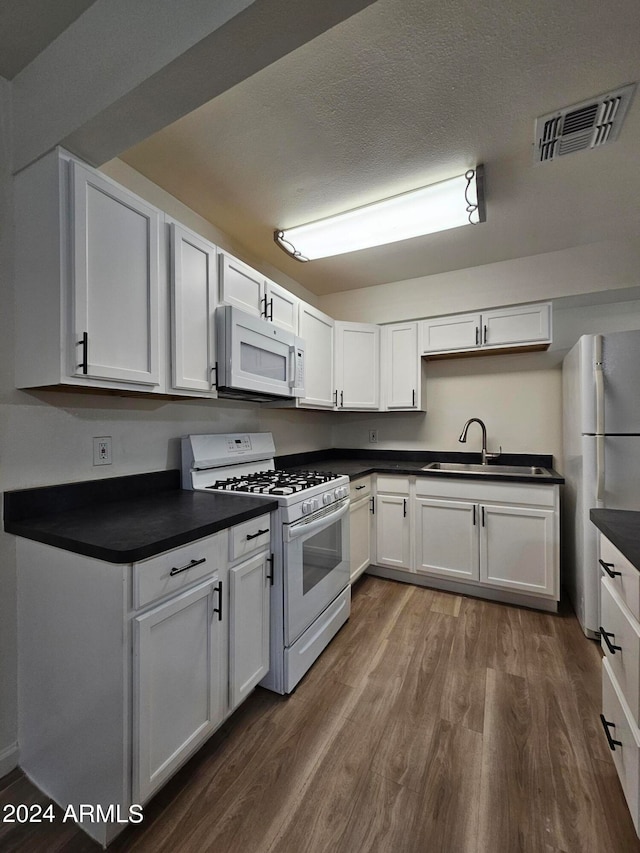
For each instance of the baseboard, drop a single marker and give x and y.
(550, 605)
(8, 759)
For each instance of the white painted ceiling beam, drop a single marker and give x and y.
(124, 70)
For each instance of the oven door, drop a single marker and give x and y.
(254, 356)
(316, 565)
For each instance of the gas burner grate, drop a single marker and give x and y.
(274, 482)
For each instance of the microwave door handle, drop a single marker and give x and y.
(303, 528)
(292, 367)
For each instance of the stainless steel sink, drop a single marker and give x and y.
(476, 468)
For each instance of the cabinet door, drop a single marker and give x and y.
(401, 366)
(447, 538)
(447, 334)
(249, 591)
(360, 537)
(317, 331)
(518, 547)
(393, 543)
(358, 365)
(240, 285)
(115, 243)
(178, 697)
(193, 300)
(281, 307)
(520, 325)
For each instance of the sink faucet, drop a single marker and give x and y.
(486, 456)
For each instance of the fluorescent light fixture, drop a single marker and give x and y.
(447, 204)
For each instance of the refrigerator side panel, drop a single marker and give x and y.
(621, 360)
(579, 542)
(578, 389)
(622, 472)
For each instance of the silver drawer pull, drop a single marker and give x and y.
(255, 535)
(176, 571)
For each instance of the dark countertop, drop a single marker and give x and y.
(359, 463)
(125, 519)
(622, 529)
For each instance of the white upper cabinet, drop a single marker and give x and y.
(249, 290)
(401, 367)
(115, 239)
(281, 306)
(317, 331)
(518, 326)
(240, 285)
(450, 334)
(88, 280)
(193, 300)
(357, 366)
(524, 324)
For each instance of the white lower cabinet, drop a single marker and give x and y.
(620, 641)
(392, 522)
(447, 538)
(477, 537)
(249, 585)
(518, 548)
(360, 527)
(178, 683)
(125, 670)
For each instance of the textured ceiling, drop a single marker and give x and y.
(405, 93)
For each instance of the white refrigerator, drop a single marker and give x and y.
(601, 442)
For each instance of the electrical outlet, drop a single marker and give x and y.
(102, 450)
(373, 436)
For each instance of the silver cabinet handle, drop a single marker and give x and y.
(176, 571)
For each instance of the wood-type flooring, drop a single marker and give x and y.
(433, 723)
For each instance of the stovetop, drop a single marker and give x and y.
(276, 483)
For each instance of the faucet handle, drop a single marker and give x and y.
(494, 455)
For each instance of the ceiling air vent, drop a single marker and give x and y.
(587, 125)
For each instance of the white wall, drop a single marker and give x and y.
(8, 659)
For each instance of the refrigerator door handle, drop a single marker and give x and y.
(599, 380)
(599, 471)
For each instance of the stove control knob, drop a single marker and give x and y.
(342, 492)
(307, 507)
(328, 497)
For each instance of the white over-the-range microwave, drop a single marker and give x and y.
(256, 360)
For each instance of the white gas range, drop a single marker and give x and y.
(310, 596)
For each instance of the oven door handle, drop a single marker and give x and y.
(302, 528)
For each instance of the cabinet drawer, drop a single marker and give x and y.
(394, 485)
(249, 537)
(626, 754)
(360, 488)
(173, 570)
(627, 583)
(623, 635)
